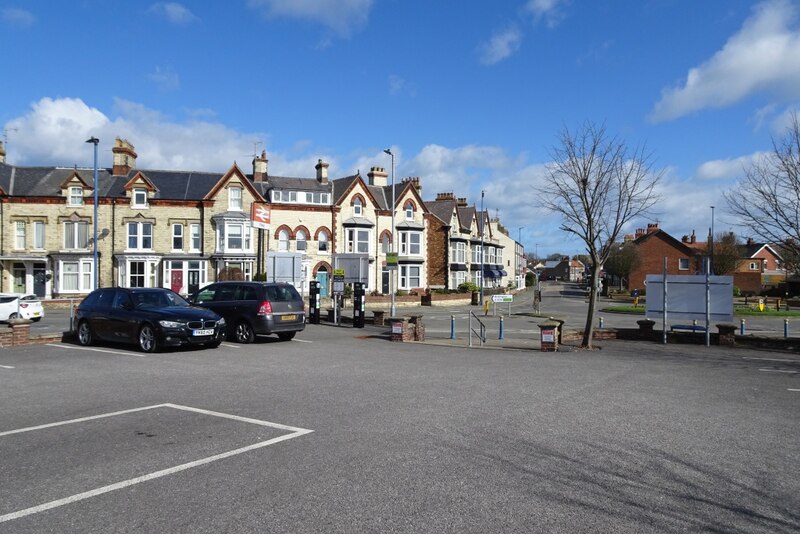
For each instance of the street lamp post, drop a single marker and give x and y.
(93, 140)
(391, 276)
(711, 245)
(483, 255)
(520, 260)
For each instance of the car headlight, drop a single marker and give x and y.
(170, 324)
(221, 321)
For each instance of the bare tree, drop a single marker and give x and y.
(726, 253)
(767, 199)
(598, 184)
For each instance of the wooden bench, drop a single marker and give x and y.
(688, 327)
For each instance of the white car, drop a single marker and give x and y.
(15, 306)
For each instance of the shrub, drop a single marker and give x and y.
(468, 287)
(737, 292)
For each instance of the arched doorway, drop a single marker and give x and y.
(322, 278)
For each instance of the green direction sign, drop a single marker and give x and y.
(502, 298)
(338, 272)
(391, 260)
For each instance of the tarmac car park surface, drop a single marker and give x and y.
(341, 430)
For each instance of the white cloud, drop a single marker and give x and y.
(165, 78)
(549, 10)
(764, 56)
(18, 17)
(174, 12)
(342, 16)
(726, 169)
(401, 86)
(502, 45)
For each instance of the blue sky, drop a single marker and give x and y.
(470, 95)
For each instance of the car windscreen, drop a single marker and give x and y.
(158, 299)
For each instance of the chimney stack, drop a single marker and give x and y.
(693, 238)
(124, 157)
(2, 153)
(652, 227)
(260, 167)
(322, 171)
(461, 202)
(750, 241)
(378, 176)
(414, 180)
(445, 196)
(639, 232)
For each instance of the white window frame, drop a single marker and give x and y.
(195, 238)
(323, 237)
(39, 238)
(358, 207)
(82, 275)
(283, 241)
(185, 267)
(458, 252)
(73, 230)
(142, 240)
(457, 278)
(408, 247)
(409, 209)
(177, 236)
(681, 262)
(235, 199)
(407, 278)
(300, 241)
(754, 266)
(20, 235)
(75, 195)
(357, 240)
(499, 256)
(476, 253)
(139, 197)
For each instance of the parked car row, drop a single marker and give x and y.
(154, 318)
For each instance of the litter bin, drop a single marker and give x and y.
(549, 335)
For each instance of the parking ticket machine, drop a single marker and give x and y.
(313, 302)
(359, 301)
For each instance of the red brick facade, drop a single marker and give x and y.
(653, 247)
(437, 251)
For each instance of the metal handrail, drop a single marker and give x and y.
(481, 333)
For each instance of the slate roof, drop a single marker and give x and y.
(465, 216)
(441, 209)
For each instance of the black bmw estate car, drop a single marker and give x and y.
(151, 318)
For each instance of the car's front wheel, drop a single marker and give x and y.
(147, 338)
(243, 333)
(85, 336)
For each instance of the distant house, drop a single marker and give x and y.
(556, 269)
(654, 244)
(760, 266)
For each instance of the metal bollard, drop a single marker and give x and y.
(601, 322)
(786, 328)
(501, 328)
(741, 327)
(452, 327)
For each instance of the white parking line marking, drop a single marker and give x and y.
(7, 366)
(778, 371)
(95, 350)
(295, 432)
(302, 340)
(769, 359)
(231, 346)
(792, 389)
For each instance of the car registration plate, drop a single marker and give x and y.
(36, 314)
(288, 317)
(206, 332)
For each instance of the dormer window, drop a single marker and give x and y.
(235, 199)
(139, 197)
(75, 197)
(358, 208)
(409, 209)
